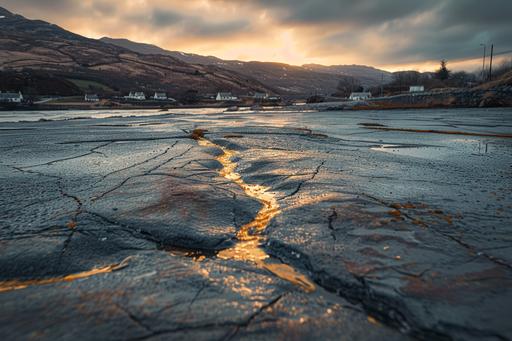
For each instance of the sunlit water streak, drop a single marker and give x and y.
(22, 284)
(250, 236)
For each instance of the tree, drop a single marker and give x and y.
(443, 73)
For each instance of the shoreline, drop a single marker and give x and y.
(328, 106)
(90, 108)
(497, 97)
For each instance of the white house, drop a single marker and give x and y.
(11, 97)
(417, 88)
(359, 96)
(274, 98)
(260, 95)
(92, 98)
(160, 96)
(139, 96)
(225, 96)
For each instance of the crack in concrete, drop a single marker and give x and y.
(253, 316)
(134, 318)
(91, 151)
(198, 293)
(148, 172)
(77, 211)
(169, 160)
(314, 174)
(137, 233)
(332, 217)
(386, 309)
(465, 245)
(73, 222)
(243, 323)
(129, 140)
(137, 163)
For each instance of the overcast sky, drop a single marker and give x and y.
(392, 34)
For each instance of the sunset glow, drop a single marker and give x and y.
(392, 35)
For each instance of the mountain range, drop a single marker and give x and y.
(32, 50)
(288, 79)
(43, 58)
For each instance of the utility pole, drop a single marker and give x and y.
(483, 63)
(490, 65)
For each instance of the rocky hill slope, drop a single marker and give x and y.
(29, 47)
(366, 75)
(286, 79)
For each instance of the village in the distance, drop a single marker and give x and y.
(307, 170)
(45, 67)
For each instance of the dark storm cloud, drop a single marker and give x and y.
(162, 18)
(381, 32)
(41, 5)
(59, 8)
(361, 12)
(478, 12)
(457, 29)
(190, 24)
(449, 29)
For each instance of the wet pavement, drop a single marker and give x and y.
(290, 225)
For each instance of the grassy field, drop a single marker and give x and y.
(67, 99)
(86, 85)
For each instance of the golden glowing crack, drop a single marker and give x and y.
(250, 236)
(20, 284)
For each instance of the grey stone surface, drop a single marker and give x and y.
(406, 235)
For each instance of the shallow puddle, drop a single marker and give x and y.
(426, 152)
(250, 236)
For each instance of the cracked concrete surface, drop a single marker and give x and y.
(406, 235)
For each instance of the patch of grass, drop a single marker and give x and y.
(69, 99)
(86, 85)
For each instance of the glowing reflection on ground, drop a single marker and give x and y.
(250, 236)
(22, 284)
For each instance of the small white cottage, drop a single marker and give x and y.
(360, 96)
(139, 96)
(11, 97)
(160, 96)
(260, 95)
(417, 88)
(225, 96)
(92, 98)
